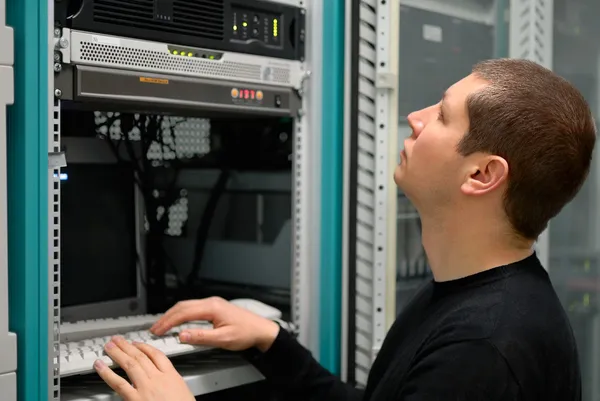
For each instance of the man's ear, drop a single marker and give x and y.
(485, 176)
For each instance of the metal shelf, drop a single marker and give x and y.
(202, 374)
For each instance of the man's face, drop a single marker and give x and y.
(431, 171)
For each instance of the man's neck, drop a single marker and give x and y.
(457, 249)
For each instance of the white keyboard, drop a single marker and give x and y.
(83, 342)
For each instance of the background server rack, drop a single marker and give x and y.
(376, 274)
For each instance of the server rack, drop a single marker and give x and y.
(202, 88)
(370, 265)
(34, 197)
(563, 34)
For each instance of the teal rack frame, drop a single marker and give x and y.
(27, 154)
(332, 184)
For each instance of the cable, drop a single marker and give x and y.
(143, 180)
(139, 267)
(151, 131)
(204, 226)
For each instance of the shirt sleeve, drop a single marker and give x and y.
(291, 370)
(465, 371)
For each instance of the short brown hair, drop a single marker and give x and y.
(544, 129)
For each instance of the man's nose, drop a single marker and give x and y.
(415, 123)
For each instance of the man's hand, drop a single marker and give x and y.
(234, 328)
(153, 377)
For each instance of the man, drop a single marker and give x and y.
(486, 168)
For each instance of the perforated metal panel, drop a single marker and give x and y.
(181, 137)
(302, 254)
(54, 252)
(117, 52)
(177, 216)
(299, 239)
(120, 55)
(531, 34)
(531, 38)
(372, 135)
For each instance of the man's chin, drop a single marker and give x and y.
(402, 182)
(399, 176)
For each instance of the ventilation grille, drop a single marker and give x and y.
(54, 258)
(129, 57)
(201, 18)
(366, 222)
(179, 138)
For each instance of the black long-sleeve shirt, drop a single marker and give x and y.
(497, 335)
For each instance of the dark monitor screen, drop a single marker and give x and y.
(98, 234)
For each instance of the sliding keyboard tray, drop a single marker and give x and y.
(204, 373)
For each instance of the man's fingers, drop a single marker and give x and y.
(135, 353)
(173, 316)
(218, 338)
(169, 313)
(186, 311)
(159, 359)
(168, 322)
(116, 382)
(130, 365)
